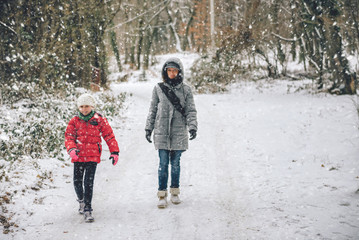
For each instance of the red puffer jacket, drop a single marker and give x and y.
(86, 137)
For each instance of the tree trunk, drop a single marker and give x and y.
(115, 50)
(148, 45)
(339, 63)
(173, 32)
(275, 12)
(139, 44)
(186, 38)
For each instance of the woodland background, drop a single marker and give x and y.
(52, 43)
(52, 50)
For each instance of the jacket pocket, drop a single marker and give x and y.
(99, 147)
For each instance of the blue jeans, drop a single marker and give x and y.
(166, 157)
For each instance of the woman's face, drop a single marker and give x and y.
(172, 72)
(85, 109)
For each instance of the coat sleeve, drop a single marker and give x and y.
(70, 135)
(191, 112)
(109, 136)
(151, 118)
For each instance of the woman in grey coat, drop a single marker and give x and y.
(170, 122)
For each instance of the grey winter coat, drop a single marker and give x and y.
(169, 126)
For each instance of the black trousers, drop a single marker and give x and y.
(84, 176)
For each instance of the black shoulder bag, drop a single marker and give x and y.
(172, 97)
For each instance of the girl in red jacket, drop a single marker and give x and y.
(83, 143)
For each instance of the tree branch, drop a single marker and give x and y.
(140, 15)
(285, 39)
(155, 15)
(12, 30)
(112, 17)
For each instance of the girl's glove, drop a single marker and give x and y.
(148, 135)
(74, 154)
(114, 158)
(193, 134)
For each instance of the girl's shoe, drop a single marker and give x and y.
(162, 196)
(88, 216)
(82, 206)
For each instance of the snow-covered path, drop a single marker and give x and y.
(266, 165)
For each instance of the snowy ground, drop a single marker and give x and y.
(267, 164)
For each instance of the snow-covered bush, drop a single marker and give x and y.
(36, 127)
(210, 76)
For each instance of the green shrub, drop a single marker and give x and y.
(36, 127)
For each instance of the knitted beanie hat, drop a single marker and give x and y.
(86, 99)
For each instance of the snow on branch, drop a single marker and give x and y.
(285, 39)
(11, 29)
(140, 15)
(155, 15)
(314, 63)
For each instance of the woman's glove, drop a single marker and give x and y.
(74, 154)
(193, 134)
(148, 135)
(114, 158)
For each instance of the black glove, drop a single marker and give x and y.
(193, 134)
(148, 135)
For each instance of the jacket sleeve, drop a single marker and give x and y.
(109, 136)
(151, 118)
(70, 135)
(191, 112)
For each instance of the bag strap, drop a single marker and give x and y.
(172, 97)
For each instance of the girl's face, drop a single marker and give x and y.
(85, 109)
(172, 72)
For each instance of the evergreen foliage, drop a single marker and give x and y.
(36, 128)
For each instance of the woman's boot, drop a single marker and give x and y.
(174, 195)
(162, 196)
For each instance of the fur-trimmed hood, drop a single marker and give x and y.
(173, 63)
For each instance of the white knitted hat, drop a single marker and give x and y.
(86, 99)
